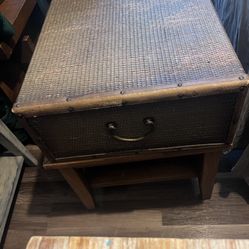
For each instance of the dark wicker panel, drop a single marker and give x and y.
(183, 122)
(92, 47)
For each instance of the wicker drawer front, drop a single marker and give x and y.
(176, 123)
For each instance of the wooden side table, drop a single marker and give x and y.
(132, 92)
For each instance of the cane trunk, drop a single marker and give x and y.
(119, 76)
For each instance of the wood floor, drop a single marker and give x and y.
(46, 205)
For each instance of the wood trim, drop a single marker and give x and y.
(65, 105)
(182, 148)
(134, 156)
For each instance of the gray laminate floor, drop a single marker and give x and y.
(46, 206)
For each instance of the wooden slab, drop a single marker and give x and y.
(141, 172)
(132, 243)
(10, 169)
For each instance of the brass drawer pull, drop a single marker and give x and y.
(112, 130)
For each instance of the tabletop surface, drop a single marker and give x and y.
(132, 243)
(93, 48)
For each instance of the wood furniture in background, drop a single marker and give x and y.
(132, 243)
(10, 170)
(17, 13)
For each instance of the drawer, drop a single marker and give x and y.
(181, 122)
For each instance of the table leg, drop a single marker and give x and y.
(79, 187)
(208, 173)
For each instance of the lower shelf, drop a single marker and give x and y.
(142, 172)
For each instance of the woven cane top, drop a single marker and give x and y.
(97, 47)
